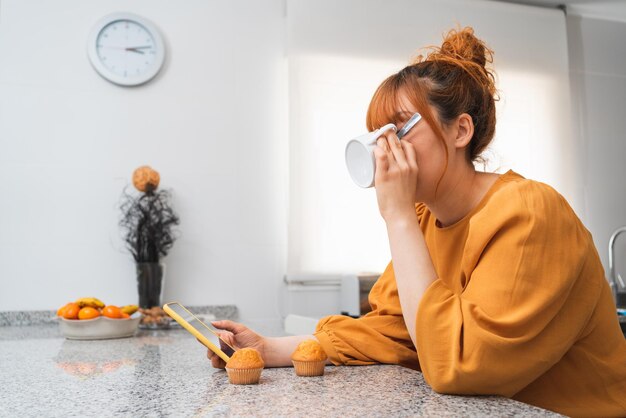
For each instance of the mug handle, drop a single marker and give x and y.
(379, 132)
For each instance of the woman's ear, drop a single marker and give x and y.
(465, 130)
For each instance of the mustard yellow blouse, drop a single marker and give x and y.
(521, 308)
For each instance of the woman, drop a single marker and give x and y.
(495, 285)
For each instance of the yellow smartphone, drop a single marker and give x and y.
(199, 329)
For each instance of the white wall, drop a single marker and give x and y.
(213, 123)
(598, 75)
(69, 141)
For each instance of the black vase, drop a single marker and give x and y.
(150, 284)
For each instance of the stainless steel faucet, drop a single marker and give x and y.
(615, 280)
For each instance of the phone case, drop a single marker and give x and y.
(194, 331)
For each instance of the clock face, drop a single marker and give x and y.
(126, 49)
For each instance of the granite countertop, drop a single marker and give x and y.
(166, 373)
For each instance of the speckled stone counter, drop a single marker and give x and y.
(166, 373)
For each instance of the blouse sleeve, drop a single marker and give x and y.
(519, 310)
(378, 337)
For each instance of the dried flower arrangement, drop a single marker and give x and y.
(148, 219)
(148, 222)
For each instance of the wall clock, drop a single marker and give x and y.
(126, 49)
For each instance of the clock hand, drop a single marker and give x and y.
(135, 50)
(123, 47)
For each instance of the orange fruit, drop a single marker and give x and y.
(112, 311)
(125, 315)
(88, 313)
(62, 309)
(146, 179)
(70, 311)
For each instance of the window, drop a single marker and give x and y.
(336, 61)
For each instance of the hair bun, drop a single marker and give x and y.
(462, 49)
(463, 44)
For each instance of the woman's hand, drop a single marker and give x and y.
(238, 336)
(396, 177)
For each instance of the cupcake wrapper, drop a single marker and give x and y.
(244, 376)
(309, 368)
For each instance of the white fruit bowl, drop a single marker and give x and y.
(100, 328)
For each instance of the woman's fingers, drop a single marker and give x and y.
(395, 152)
(411, 155)
(227, 342)
(382, 143)
(227, 337)
(231, 326)
(382, 160)
(216, 361)
(396, 149)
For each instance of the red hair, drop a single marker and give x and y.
(454, 80)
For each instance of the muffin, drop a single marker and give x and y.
(244, 367)
(309, 359)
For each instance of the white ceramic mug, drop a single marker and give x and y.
(360, 158)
